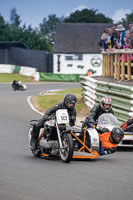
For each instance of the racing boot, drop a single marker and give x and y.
(35, 134)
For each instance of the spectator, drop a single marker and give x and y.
(109, 36)
(127, 39)
(120, 36)
(130, 25)
(103, 39)
(114, 35)
(131, 33)
(131, 44)
(107, 40)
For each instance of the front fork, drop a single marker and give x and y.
(59, 137)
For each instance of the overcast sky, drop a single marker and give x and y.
(33, 11)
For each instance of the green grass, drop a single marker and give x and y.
(5, 77)
(48, 101)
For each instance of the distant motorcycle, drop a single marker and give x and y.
(17, 85)
(55, 138)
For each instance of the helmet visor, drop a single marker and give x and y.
(107, 106)
(70, 105)
(118, 138)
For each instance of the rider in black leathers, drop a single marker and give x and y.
(15, 85)
(105, 106)
(68, 103)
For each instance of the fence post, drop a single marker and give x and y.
(103, 65)
(129, 67)
(119, 68)
(115, 68)
(112, 66)
(123, 67)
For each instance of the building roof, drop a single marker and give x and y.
(8, 45)
(78, 38)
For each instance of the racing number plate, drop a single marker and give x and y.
(62, 116)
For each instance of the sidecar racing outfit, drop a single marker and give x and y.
(68, 103)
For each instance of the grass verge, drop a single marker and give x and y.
(5, 77)
(48, 101)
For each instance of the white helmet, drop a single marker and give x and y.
(106, 101)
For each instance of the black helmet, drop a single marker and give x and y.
(116, 135)
(70, 99)
(104, 102)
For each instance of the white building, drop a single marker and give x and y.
(76, 48)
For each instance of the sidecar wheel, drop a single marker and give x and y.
(67, 152)
(21, 88)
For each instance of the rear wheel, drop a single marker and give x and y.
(66, 152)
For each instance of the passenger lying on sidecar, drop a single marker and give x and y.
(102, 137)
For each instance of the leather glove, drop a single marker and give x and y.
(72, 118)
(84, 124)
(110, 150)
(72, 123)
(90, 125)
(103, 130)
(45, 117)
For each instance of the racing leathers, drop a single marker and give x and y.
(127, 126)
(95, 112)
(106, 145)
(49, 112)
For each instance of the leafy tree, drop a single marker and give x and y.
(100, 18)
(48, 27)
(4, 29)
(2, 21)
(87, 16)
(43, 38)
(14, 18)
(14, 32)
(128, 18)
(34, 40)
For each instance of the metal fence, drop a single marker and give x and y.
(41, 60)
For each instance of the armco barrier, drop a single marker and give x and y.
(122, 96)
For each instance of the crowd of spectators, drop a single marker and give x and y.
(117, 37)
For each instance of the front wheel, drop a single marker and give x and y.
(36, 152)
(66, 152)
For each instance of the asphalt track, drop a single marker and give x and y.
(23, 177)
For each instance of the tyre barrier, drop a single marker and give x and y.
(122, 96)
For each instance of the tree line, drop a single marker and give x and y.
(42, 38)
